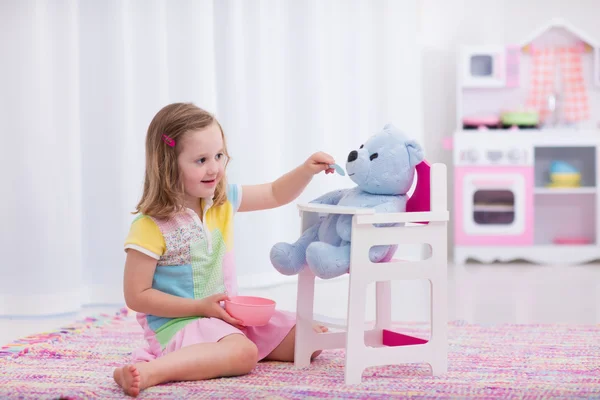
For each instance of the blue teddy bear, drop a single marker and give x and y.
(383, 170)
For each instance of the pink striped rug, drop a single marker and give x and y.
(485, 362)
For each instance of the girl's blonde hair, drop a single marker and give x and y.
(163, 187)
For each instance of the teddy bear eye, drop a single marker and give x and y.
(361, 146)
(374, 156)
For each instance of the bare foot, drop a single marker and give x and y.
(318, 329)
(128, 377)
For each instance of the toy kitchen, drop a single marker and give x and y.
(525, 149)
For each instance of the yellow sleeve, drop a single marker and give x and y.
(145, 237)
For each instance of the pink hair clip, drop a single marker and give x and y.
(168, 140)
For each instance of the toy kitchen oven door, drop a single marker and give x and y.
(494, 197)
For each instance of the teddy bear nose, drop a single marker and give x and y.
(352, 156)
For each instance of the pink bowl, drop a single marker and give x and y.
(252, 311)
(478, 120)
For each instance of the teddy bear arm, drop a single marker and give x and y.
(344, 227)
(399, 205)
(331, 198)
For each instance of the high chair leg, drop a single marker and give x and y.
(353, 373)
(355, 334)
(439, 366)
(439, 324)
(383, 304)
(304, 318)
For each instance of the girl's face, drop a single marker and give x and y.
(202, 163)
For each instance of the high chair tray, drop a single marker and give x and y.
(330, 209)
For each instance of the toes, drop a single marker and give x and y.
(135, 374)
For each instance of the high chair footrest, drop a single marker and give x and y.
(394, 339)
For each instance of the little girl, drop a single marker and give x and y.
(179, 263)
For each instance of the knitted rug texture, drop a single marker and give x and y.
(504, 361)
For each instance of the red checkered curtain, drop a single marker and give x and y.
(575, 104)
(542, 81)
(573, 96)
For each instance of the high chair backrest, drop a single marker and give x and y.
(420, 201)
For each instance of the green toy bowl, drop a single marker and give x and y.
(520, 118)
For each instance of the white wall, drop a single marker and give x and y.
(114, 103)
(447, 24)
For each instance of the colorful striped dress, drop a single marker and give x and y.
(195, 260)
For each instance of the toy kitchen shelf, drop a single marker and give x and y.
(581, 158)
(506, 205)
(564, 214)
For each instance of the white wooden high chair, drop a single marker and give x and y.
(425, 219)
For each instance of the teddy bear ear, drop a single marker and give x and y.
(389, 127)
(415, 152)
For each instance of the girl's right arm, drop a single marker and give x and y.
(141, 297)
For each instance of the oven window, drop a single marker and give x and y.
(493, 207)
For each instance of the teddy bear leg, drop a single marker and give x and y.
(382, 253)
(327, 261)
(289, 259)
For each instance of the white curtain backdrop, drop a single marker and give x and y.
(81, 80)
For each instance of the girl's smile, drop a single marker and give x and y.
(210, 182)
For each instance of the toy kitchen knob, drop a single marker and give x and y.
(471, 155)
(514, 155)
